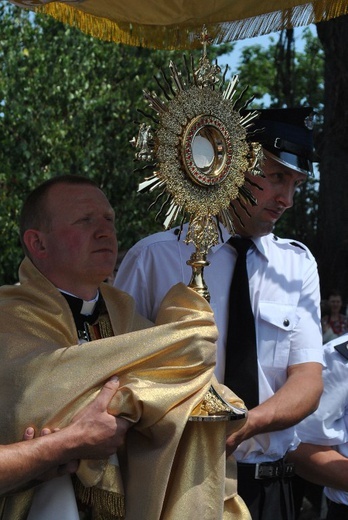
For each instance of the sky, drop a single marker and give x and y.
(233, 58)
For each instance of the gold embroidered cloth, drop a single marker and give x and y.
(174, 468)
(175, 23)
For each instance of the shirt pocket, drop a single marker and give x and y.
(277, 323)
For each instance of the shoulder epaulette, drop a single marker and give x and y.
(296, 244)
(292, 243)
(342, 348)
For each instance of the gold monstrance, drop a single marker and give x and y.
(200, 149)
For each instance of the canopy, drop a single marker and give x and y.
(174, 24)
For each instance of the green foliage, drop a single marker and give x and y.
(69, 105)
(268, 74)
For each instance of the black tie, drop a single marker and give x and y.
(241, 356)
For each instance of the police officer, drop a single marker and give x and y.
(285, 300)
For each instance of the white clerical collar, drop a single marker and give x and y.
(87, 305)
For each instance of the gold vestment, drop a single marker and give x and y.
(174, 468)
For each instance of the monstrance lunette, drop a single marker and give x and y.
(199, 146)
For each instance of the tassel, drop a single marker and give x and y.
(182, 36)
(105, 505)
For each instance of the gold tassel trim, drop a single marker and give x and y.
(184, 36)
(102, 328)
(105, 504)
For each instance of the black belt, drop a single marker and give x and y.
(264, 470)
(337, 510)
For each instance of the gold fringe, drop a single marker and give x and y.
(105, 504)
(184, 36)
(102, 328)
(105, 326)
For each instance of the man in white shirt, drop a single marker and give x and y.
(322, 456)
(285, 299)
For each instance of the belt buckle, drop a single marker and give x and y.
(274, 470)
(263, 471)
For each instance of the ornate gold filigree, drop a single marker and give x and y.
(200, 149)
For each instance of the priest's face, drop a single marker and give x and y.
(79, 244)
(274, 194)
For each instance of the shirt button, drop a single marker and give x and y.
(286, 322)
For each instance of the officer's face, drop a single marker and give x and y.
(274, 194)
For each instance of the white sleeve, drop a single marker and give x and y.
(151, 268)
(132, 278)
(327, 426)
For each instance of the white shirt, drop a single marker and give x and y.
(285, 297)
(328, 425)
(54, 500)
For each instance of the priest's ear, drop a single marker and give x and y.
(35, 243)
